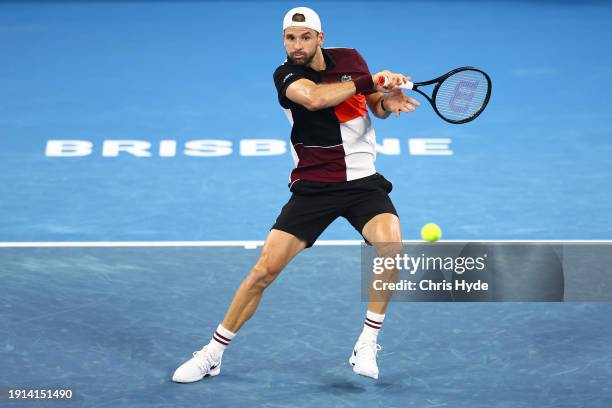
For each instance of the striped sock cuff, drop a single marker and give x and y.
(223, 336)
(374, 320)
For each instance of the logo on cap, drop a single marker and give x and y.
(302, 17)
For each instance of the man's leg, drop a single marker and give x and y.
(385, 234)
(278, 250)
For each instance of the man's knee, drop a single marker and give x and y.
(262, 274)
(383, 228)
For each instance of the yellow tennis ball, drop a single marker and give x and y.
(431, 232)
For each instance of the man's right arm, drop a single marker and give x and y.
(319, 96)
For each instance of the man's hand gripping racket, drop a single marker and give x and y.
(458, 96)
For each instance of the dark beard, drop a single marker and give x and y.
(307, 59)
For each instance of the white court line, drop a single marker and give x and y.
(245, 244)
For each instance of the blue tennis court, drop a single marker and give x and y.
(171, 114)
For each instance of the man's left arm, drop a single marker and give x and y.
(383, 104)
(394, 101)
(375, 103)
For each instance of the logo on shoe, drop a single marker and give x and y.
(212, 367)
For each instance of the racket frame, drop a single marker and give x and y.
(438, 81)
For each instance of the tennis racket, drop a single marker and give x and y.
(458, 96)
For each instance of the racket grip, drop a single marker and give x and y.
(384, 81)
(408, 85)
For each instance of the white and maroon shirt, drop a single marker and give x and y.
(332, 144)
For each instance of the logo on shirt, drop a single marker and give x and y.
(345, 78)
(287, 77)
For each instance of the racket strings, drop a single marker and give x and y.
(462, 95)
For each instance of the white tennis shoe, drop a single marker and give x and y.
(202, 364)
(363, 358)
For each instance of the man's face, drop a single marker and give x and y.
(301, 44)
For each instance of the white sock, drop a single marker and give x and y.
(371, 326)
(220, 340)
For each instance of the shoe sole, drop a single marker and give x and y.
(213, 373)
(364, 374)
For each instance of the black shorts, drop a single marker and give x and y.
(315, 205)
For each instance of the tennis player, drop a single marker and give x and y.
(324, 93)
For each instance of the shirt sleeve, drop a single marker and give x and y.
(284, 76)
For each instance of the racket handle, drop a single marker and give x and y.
(383, 81)
(408, 85)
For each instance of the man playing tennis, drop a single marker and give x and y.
(324, 93)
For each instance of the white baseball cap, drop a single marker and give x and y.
(311, 19)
